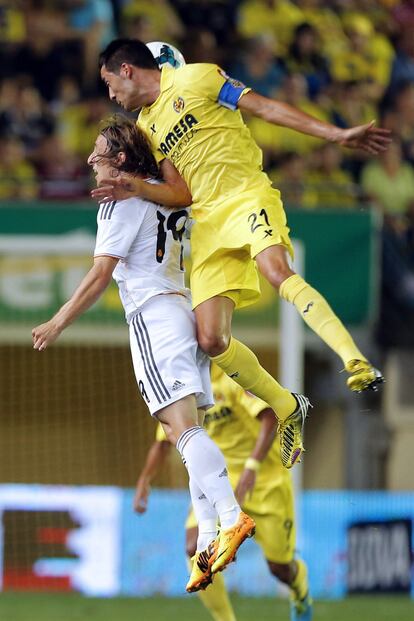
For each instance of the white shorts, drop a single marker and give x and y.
(168, 363)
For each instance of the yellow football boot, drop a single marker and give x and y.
(363, 376)
(202, 561)
(290, 432)
(230, 540)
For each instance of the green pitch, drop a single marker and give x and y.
(25, 607)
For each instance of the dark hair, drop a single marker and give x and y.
(122, 135)
(131, 51)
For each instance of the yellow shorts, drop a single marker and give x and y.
(224, 244)
(275, 531)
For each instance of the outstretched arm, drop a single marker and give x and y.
(265, 439)
(90, 289)
(155, 460)
(173, 192)
(366, 137)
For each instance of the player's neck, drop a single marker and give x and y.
(150, 87)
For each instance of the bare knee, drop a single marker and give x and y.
(285, 572)
(277, 277)
(213, 319)
(213, 343)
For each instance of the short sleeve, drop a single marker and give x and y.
(118, 226)
(251, 404)
(212, 82)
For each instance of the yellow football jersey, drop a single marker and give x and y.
(195, 123)
(232, 424)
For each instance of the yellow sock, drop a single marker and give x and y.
(215, 598)
(319, 316)
(240, 363)
(300, 586)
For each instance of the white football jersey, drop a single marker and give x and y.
(147, 238)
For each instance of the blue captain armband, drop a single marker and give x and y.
(230, 93)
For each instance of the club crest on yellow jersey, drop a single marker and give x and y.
(178, 105)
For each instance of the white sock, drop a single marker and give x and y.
(205, 514)
(207, 532)
(229, 512)
(207, 467)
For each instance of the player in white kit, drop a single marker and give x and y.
(139, 244)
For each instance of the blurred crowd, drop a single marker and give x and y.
(344, 61)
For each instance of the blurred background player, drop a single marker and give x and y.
(192, 116)
(139, 244)
(244, 428)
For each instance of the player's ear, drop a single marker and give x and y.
(121, 158)
(126, 70)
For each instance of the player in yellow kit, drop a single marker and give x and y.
(244, 428)
(192, 117)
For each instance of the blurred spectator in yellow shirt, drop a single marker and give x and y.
(274, 139)
(330, 185)
(388, 181)
(289, 176)
(158, 17)
(78, 124)
(278, 17)
(367, 55)
(326, 22)
(12, 22)
(351, 103)
(17, 175)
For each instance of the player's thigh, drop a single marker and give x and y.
(164, 351)
(275, 531)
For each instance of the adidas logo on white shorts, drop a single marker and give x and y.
(177, 385)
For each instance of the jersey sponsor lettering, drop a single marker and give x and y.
(216, 415)
(178, 131)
